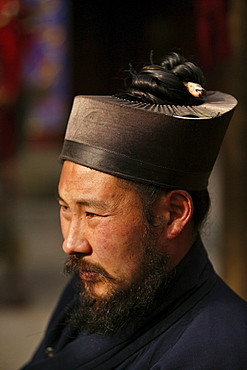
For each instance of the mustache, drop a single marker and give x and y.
(76, 263)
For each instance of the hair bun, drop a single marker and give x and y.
(166, 83)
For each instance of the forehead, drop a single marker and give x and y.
(76, 179)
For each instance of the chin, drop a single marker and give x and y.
(99, 290)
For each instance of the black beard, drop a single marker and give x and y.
(101, 315)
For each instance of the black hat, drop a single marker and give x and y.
(165, 145)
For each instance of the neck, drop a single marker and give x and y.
(180, 246)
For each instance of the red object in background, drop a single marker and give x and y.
(211, 30)
(10, 48)
(10, 65)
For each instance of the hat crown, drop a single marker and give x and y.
(164, 145)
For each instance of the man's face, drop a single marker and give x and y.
(103, 228)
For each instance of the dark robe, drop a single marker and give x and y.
(198, 323)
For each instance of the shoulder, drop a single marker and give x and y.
(213, 335)
(222, 305)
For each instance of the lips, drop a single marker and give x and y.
(89, 276)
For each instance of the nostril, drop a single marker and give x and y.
(79, 255)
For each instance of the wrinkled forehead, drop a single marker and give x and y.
(84, 187)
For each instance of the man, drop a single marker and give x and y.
(133, 195)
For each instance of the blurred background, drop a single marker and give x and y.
(51, 50)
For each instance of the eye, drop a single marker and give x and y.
(91, 214)
(64, 208)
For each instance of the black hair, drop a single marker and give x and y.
(164, 83)
(149, 193)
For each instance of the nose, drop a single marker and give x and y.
(75, 240)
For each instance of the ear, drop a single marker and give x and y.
(176, 209)
(180, 207)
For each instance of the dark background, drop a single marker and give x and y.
(107, 36)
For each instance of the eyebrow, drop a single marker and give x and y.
(102, 205)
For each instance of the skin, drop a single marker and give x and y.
(102, 221)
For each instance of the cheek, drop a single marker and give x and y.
(118, 242)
